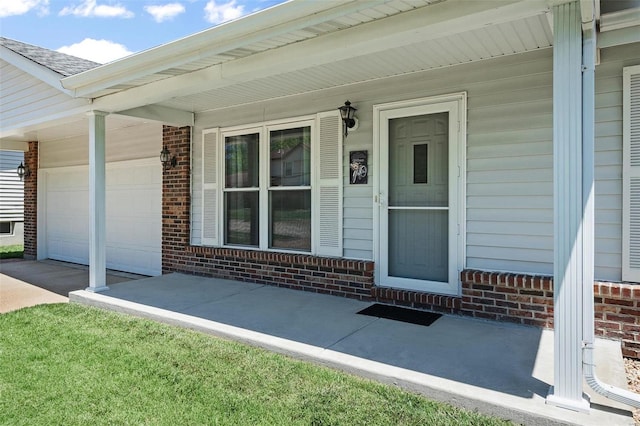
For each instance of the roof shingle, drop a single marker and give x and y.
(60, 63)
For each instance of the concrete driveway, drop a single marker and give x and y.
(26, 283)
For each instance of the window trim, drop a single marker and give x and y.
(264, 185)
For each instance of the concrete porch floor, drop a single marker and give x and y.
(496, 368)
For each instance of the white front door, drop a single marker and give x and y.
(420, 198)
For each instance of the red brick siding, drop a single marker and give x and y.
(31, 202)
(617, 312)
(176, 195)
(341, 277)
(515, 298)
(417, 300)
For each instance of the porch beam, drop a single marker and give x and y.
(166, 115)
(619, 37)
(14, 145)
(568, 209)
(97, 202)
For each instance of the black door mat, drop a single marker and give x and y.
(398, 313)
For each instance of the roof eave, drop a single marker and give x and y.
(255, 27)
(38, 71)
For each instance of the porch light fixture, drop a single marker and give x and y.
(23, 171)
(168, 162)
(347, 113)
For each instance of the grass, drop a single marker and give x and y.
(11, 252)
(74, 365)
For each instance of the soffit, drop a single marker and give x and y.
(507, 38)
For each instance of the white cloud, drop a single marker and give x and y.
(91, 8)
(101, 51)
(165, 12)
(20, 7)
(217, 13)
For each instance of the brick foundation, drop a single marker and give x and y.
(31, 202)
(528, 300)
(515, 298)
(338, 277)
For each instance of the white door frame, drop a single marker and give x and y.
(456, 105)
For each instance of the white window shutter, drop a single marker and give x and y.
(210, 187)
(631, 175)
(327, 185)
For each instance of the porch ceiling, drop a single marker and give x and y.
(294, 49)
(507, 38)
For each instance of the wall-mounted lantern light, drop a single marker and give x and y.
(168, 162)
(23, 171)
(347, 113)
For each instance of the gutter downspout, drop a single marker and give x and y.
(588, 179)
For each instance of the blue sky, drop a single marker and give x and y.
(105, 30)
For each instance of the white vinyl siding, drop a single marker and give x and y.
(11, 187)
(26, 98)
(609, 159)
(631, 175)
(509, 156)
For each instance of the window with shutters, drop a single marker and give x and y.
(272, 186)
(631, 175)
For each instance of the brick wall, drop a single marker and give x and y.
(341, 277)
(176, 199)
(31, 202)
(522, 299)
(617, 312)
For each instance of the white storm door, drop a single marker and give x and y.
(420, 197)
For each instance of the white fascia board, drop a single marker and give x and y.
(166, 115)
(439, 20)
(156, 92)
(272, 22)
(38, 71)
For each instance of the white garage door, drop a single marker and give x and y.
(134, 215)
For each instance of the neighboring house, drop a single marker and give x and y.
(11, 199)
(482, 122)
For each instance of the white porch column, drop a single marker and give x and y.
(568, 208)
(97, 203)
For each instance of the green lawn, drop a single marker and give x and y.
(73, 365)
(11, 252)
